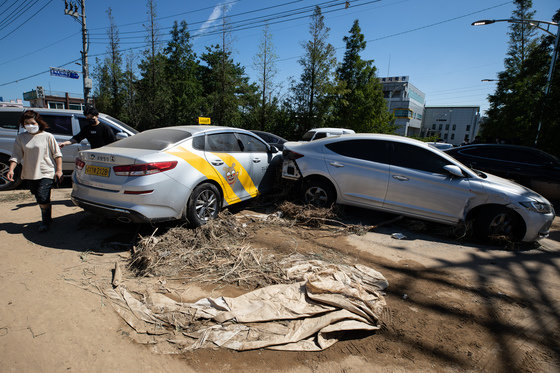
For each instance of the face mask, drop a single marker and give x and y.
(31, 128)
(91, 120)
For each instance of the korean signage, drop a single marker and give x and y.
(203, 120)
(55, 71)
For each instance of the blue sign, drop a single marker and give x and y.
(55, 71)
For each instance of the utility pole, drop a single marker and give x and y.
(71, 9)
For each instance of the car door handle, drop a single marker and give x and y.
(400, 178)
(336, 164)
(256, 160)
(217, 163)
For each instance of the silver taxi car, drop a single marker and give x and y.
(173, 173)
(406, 176)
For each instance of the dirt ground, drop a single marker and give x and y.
(452, 305)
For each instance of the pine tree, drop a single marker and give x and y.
(360, 104)
(108, 74)
(310, 96)
(514, 113)
(228, 96)
(181, 74)
(265, 66)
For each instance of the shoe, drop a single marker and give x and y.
(43, 227)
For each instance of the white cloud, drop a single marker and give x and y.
(215, 16)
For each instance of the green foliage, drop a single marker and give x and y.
(228, 96)
(359, 103)
(519, 103)
(310, 100)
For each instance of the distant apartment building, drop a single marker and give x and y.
(41, 98)
(406, 102)
(452, 124)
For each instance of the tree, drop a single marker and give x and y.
(514, 109)
(152, 90)
(360, 105)
(265, 66)
(181, 74)
(229, 98)
(310, 96)
(108, 74)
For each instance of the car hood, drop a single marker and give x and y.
(511, 188)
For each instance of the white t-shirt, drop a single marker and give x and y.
(36, 153)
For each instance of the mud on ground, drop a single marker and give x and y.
(452, 304)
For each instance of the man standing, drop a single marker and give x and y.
(97, 133)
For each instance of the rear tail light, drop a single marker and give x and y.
(79, 164)
(144, 168)
(288, 154)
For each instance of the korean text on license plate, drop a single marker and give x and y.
(97, 171)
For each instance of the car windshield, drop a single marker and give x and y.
(132, 130)
(156, 139)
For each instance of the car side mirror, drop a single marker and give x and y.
(121, 135)
(273, 148)
(454, 170)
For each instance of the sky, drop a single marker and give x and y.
(431, 41)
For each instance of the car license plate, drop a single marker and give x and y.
(97, 171)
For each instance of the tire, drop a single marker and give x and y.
(5, 184)
(318, 193)
(498, 222)
(204, 204)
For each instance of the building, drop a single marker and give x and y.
(452, 124)
(406, 102)
(41, 98)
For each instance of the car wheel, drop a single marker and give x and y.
(497, 222)
(318, 193)
(204, 204)
(5, 184)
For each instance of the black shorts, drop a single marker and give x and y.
(41, 189)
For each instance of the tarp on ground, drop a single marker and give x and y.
(326, 302)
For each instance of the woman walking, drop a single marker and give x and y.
(41, 161)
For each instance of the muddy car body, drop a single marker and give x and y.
(405, 176)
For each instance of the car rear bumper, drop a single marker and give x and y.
(111, 212)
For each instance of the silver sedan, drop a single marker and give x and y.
(405, 176)
(172, 173)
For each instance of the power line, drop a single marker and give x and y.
(24, 22)
(258, 22)
(14, 3)
(11, 19)
(42, 72)
(40, 49)
(295, 10)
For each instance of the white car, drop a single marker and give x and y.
(183, 172)
(63, 124)
(320, 133)
(405, 176)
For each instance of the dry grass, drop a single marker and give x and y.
(218, 252)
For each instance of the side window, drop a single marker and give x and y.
(10, 119)
(252, 144)
(84, 122)
(411, 156)
(367, 150)
(320, 135)
(59, 124)
(222, 142)
(198, 142)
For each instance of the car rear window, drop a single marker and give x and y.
(156, 139)
(308, 136)
(10, 119)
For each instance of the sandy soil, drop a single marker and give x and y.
(453, 305)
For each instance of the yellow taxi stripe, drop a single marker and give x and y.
(202, 165)
(244, 177)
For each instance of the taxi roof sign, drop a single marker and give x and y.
(203, 120)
